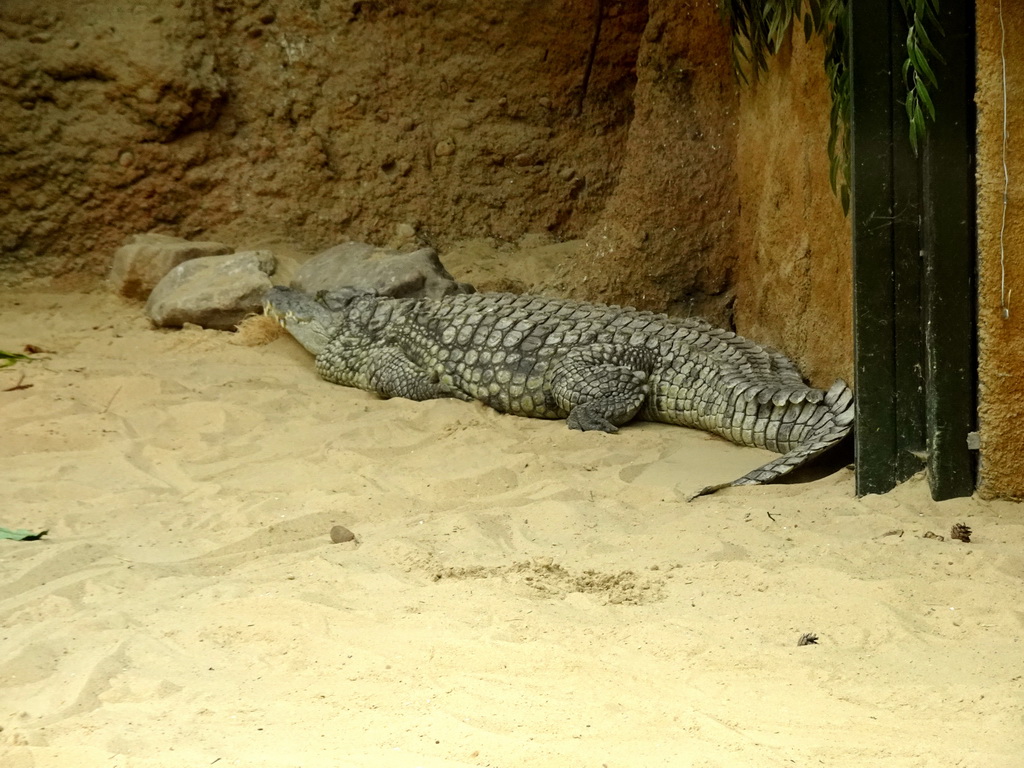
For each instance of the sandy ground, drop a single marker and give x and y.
(518, 595)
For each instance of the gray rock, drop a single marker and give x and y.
(143, 262)
(382, 271)
(212, 291)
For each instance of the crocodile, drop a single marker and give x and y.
(594, 365)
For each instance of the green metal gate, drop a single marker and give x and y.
(914, 249)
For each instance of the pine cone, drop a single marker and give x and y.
(960, 531)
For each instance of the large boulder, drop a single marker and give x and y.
(146, 259)
(379, 270)
(212, 291)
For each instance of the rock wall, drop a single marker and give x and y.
(108, 119)
(1000, 266)
(794, 280)
(666, 239)
(317, 121)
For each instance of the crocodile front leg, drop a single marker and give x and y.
(384, 369)
(601, 386)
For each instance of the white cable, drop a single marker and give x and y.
(1004, 296)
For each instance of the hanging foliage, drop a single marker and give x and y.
(759, 28)
(917, 72)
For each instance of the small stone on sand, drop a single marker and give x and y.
(340, 533)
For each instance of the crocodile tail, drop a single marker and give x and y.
(833, 424)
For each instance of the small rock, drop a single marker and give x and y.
(341, 534)
(445, 148)
(461, 123)
(406, 123)
(405, 235)
(146, 259)
(212, 291)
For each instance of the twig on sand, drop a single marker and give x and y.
(17, 386)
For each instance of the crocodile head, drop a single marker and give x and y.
(304, 317)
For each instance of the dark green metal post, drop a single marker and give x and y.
(913, 270)
(871, 208)
(907, 270)
(949, 260)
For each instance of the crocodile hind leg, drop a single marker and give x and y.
(601, 386)
(384, 369)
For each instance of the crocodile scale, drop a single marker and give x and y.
(596, 366)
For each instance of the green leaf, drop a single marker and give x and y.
(922, 66)
(916, 125)
(10, 358)
(924, 96)
(926, 42)
(20, 534)
(930, 11)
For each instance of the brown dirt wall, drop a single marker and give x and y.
(316, 121)
(794, 288)
(1000, 266)
(666, 237)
